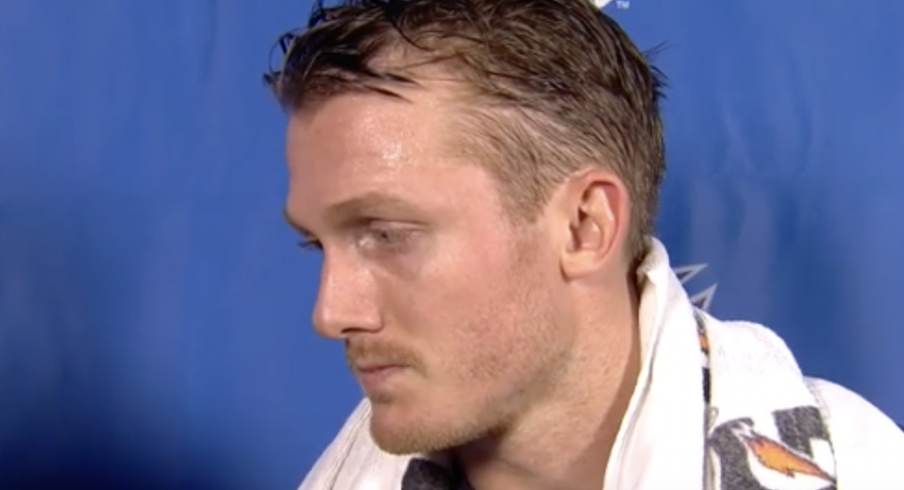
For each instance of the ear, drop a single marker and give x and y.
(599, 214)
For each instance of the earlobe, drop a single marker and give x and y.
(595, 227)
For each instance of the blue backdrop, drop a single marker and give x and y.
(154, 311)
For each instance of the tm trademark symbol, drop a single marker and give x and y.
(623, 4)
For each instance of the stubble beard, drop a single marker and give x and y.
(504, 387)
(499, 384)
(488, 417)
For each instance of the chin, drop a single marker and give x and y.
(418, 431)
(401, 443)
(395, 429)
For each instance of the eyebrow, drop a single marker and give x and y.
(357, 208)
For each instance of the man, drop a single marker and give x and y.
(482, 177)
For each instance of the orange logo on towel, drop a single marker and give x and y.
(779, 457)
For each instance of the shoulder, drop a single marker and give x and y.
(869, 446)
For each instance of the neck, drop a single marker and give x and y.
(564, 441)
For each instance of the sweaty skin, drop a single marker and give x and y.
(514, 345)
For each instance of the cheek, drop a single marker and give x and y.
(466, 318)
(470, 308)
(444, 281)
(438, 306)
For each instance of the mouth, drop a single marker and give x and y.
(372, 377)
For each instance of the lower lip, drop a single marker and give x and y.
(374, 378)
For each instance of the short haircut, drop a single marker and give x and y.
(557, 86)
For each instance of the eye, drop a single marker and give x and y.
(387, 237)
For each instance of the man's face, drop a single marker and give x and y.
(450, 314)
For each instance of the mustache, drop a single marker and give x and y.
(372, 352)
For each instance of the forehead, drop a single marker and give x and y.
(355, 126)
(366, 144)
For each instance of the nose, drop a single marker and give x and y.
(345, 299)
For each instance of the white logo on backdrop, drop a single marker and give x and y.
(619, 4)
(703, 298)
